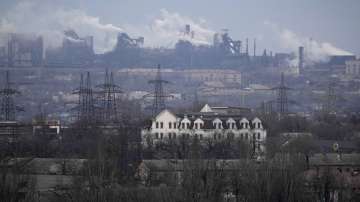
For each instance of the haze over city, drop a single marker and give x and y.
(186, 101)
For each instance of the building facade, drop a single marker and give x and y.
(208, 124)
(353, 67)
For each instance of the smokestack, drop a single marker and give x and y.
(254, 47)
(301, 57)
(187, 30)
(247, 46)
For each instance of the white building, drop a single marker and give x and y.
(207, 124)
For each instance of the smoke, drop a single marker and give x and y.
(50, 21)
(315, 51)
(41, 18)
(170, 27)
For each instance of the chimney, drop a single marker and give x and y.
(301, 58)
(254, 47)
(247, 46)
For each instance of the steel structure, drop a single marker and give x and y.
(86, 104)
(8, 106)
(109, 91)
(159, 95)
(282, 97)
(330, 99)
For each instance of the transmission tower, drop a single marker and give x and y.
(282, 97)
(8, 106)
(109, 91)
(330, 99)
(86, 106)
(159, 94)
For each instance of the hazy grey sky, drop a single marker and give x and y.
(327, 21)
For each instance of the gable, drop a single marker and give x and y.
(166, 115)
(206, 108)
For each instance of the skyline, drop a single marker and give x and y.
(271, 23)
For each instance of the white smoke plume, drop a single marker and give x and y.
(50, 21)
(38, 17)
(315, 51)
(171, 27)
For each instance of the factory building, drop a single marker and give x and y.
(352, 68)
(22, 50)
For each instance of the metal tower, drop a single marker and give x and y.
(86, 107)
(330, 99)
(282, 98)
(109, 90)
(159, 94)
(8, 107)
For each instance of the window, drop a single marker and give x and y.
(215, 136)
(196, 125)
(174, 124)
(161, 125)
(219, 126)
(187, 125)
(259, 136)
(242, 125)
(169, 135)
(174, 136)
(161, 135)
(259, 125)
(157, 124)
(241, 136)
(233, 125)
(246, 136)
(183, 125)
(254, 136)
(170, 125)
(156, 135)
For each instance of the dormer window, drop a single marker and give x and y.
(183, 125)
(157, 124)
(196, 125)
(170, 125)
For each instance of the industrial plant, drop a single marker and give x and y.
(188, 115)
